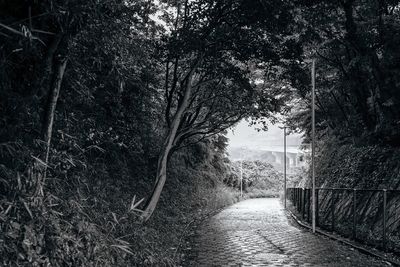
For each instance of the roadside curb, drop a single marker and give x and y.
(341, 240)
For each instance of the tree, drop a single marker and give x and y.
(209, 83)
(58, 114)
(357, 93)
(48, 28)
(258, 174)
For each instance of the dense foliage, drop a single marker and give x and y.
(100, 98)
(102, 101)
(260, 179)
(355, 45)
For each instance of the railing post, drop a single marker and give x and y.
(333, 211)
(291, 196)
(316, 207)
(303, 202)
(294, 197)
(384, 219)
(298, 199)
(354, 213)
(287, 194)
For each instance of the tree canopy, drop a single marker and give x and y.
(354, 43)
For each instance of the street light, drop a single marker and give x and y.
(284, 164)
(241, 178)
(313, 143)
(241, 171)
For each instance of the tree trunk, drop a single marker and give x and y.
(166, 150)
(51, 105)
(48, 119)
(46, 68)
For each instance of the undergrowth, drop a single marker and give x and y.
(260, 193)
(83, 217)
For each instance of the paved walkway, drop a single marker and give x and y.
(256, 232)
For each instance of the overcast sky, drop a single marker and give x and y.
(244, 135)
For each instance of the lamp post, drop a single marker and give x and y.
(241, 178)
(313, 144)
(284, 166)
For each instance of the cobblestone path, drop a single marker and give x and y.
(256, 232)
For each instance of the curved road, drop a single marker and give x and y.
(256, 232)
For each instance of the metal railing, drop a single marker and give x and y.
(368, 215)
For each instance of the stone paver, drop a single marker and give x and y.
(256, 232)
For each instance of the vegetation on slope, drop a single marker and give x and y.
(363, 167)
(259, 179)
(102, 101)
(355, 44)
(87, 221)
